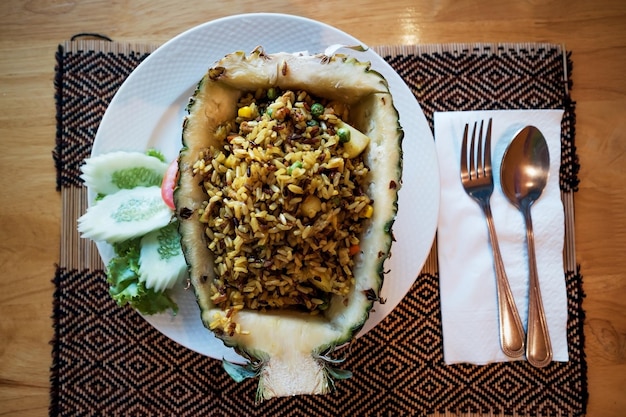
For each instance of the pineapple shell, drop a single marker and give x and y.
(288, 349)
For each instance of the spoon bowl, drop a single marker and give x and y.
(524, 170)
(523, 176)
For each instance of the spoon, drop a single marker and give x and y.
(523, 176)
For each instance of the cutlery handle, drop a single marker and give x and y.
(511, 328)
(539, 347)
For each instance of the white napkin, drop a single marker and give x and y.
(466, 267)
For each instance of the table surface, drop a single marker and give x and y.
(30, 208)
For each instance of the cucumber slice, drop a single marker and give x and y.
(161, 263)
(125, 214)
(114, 171)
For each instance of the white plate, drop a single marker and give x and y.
(148, 111)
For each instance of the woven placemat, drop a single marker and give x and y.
(109, 361)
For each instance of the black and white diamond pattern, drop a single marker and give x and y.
(109, 361)
(85, 84)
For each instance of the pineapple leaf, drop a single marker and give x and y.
(327, 359)
(338, 373)
(332, 360)
(333, 374)
(240, 372)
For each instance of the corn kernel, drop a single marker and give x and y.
(245, 112)
(231, 161)
(368, 212)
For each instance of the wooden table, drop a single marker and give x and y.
(30, 207)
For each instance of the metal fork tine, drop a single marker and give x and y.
(488, 150)
(464, 172)
(472, 170)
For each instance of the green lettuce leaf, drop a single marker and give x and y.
(125, 287)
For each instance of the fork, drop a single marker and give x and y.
(478, 184)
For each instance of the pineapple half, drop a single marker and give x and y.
(287, 349)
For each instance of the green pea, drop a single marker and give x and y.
(312, 123)
(344, 135)
(317, 109)
(272, 93)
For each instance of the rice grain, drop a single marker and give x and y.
(283, 207)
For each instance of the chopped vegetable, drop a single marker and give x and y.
(357, 142)
(369, 211)
(125, 214)
(272, 93)
(354, 249)
(344, 135)
(317, 109)
(246, 112)
(293, 166)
